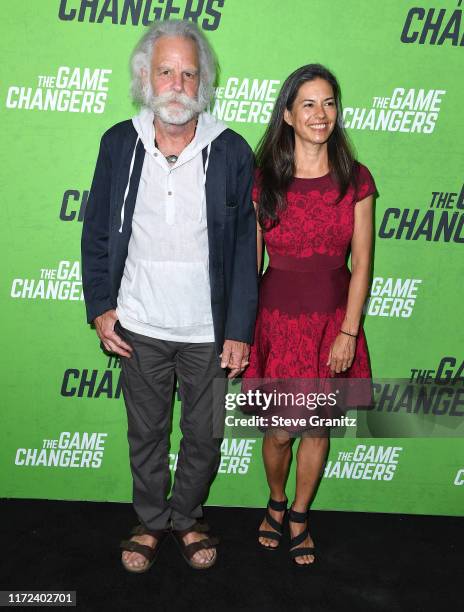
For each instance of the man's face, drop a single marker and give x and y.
(174, 79)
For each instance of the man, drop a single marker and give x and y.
(170, 283)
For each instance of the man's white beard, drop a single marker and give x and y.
(179, 115)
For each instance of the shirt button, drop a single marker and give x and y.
(156, 154)
(169, 192)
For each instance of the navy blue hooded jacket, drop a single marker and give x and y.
(231, 229)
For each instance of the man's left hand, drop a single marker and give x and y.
(235, 356)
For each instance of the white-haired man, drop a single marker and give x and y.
(170, 283)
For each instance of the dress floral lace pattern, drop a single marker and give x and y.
(295, 342)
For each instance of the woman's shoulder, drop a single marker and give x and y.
(365, 184)
(362, 172)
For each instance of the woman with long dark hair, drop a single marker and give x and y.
(314, 205)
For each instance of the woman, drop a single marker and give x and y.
(314, 203)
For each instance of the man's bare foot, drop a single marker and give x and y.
(135, 560)
(202, 557)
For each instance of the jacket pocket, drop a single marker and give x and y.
(231, 209)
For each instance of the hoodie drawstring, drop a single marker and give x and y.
(204, 182)
(126, 193)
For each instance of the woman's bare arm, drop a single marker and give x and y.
(343, 349)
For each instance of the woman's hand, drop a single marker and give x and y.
(341, 353)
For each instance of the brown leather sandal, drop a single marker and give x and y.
(189, 550)
(148, 552)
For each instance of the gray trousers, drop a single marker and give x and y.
(148, 386)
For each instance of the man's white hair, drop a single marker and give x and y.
(142, 56)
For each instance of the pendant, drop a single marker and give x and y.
(171, 159)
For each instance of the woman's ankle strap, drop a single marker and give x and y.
(297, 517)
(278, 506)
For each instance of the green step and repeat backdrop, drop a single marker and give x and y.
(65, 80)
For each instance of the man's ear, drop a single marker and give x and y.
(288, 117)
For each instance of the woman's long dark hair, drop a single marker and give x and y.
(275, 152)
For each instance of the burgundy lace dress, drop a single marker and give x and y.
(303, 293)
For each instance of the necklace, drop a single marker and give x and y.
(171, 159)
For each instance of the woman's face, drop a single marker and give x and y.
(314, 113)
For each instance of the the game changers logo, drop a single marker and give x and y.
(69, 450)
(365, 463)
(73, 205)
(442, 222)
(438, 392)
(434, 26)
(236, 456)
(61, 283)
(142, 12)
(68, 90)
(93, 383)
(403, 110)
(245, 100)
(450, 370)
(392, 297)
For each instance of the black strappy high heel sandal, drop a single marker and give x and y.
(278, 506)
(300, 517)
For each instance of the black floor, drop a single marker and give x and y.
(365, 562)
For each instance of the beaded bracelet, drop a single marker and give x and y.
(347, 334)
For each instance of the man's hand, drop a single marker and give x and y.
(235, 356)
(104, 326)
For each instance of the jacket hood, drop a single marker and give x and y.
(208, 128)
